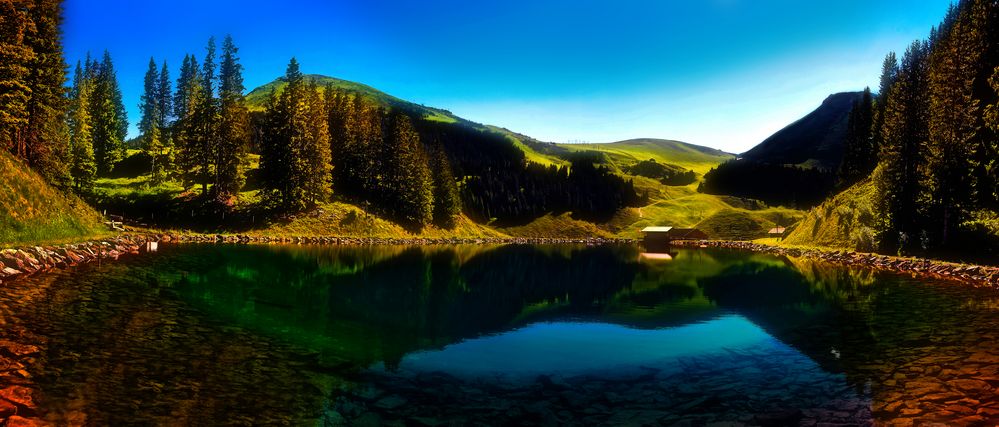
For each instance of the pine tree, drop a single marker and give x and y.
(110, 124)
(16, 58)
(187, 130)
(283, 157)
(903, 135)
(83, 168)
(150, 125)
(889, 73)
(948, 181)
(316, 150)
(233, 129)
(409, 184)
(165, 98)
(447, 198)
(44, 141)
(203, 135)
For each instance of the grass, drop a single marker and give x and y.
(687, 156)
(845, 221)
(32, 212)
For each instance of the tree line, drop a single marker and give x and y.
(933, 130)
(313, 141)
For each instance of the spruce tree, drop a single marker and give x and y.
(947, 181)
(149, 124)
(903, 135)
(233, 129)
(44, 140)
(83, 168)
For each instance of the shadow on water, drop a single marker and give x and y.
(496, 334)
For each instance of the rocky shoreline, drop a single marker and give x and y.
(15, 262)
(27, 260)
(977, 275)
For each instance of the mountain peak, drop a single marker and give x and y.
(815, 140)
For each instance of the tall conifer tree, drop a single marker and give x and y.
(233, 129)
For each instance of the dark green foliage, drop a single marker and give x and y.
(447, 198)
(110, 124)
(33, 100)
(294, 160)
(188, 133)
(903, 134)
(589, 191)
(783, 185)
(666, 173)
(16, 60)
(408, 185)
(46, 136)
(937, 167)
(859, 152)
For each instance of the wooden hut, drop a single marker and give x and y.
(661, 235)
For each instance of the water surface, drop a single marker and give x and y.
(517, 334)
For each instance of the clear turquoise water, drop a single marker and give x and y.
(490, 335)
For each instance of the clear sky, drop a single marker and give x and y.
(722, 73)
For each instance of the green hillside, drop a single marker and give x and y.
(33, 212)
(694, 157)
(844, 221)
(256, 99)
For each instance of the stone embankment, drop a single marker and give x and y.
(331, 240)
(34, 259)
(977, 275)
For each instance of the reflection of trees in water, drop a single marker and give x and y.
(377, 305)
(381, 303)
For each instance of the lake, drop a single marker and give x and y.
(494, 335)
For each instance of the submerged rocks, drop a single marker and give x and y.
(973, 274)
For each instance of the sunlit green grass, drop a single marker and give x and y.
(32, 212)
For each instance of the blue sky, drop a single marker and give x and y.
(722, 73)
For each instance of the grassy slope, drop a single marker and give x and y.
(845, 221)
(33, 212)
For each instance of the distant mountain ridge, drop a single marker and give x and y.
(815, 140)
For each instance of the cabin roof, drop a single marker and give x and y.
(656, 229)
(777, 230)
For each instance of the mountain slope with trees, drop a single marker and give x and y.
(800, 165)
(935, 127)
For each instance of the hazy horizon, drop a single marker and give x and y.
(723, 73)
